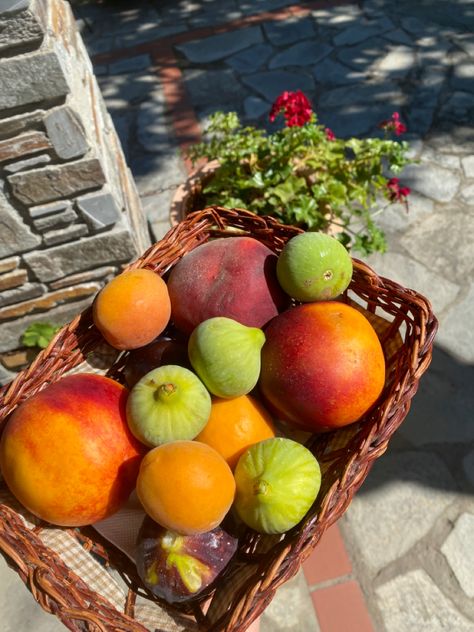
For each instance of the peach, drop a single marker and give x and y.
(233, 277)
(67, 454)
(323, 366)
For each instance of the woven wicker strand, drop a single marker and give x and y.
(406, 326)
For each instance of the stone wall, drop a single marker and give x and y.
(70, 216)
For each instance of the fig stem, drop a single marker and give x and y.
(261, 487)
(164, 391)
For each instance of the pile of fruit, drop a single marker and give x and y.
(233, 349)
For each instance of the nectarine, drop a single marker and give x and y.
(67, 454)
(322, 366)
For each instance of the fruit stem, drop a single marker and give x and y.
(164, 391)
(261, 487)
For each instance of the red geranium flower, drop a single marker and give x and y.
(396, 193)
(295, 106)
(330, 134)
(394, 124)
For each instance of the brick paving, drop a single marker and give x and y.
(401, 558)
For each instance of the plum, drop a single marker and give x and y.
(163, 350)
(178, 568)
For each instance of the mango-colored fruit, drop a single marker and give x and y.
(314, 267)
(67, 454)
(169, 403)
(226, 356)
(277, 481)
(132, 309)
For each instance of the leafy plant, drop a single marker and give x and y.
(303, 175)
(39, 335)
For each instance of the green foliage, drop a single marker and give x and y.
(39, 335)
(302, 177)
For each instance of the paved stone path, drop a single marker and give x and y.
(406, 559)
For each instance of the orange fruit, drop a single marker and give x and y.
(132, 309)
(234, 425)
(186, 486)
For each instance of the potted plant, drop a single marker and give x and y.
(301, 174)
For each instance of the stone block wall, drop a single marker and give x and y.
(70, 215)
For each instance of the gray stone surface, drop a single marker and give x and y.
(432, 181)
(31, 79)
(467, 194)
(366, 93)
(22, 293)
(453, 333)
(28, 163)
(446, 256)
(463, 75)
(250, 59)
(57, 181)
(15, 235)
(59, 261)
(360, 32)
(55, 220)
(99, 211)
(208, 87)
(458, 549)
(468, 467)
(397, 63)
(130, 64)
(47, 209)
(468, 166)
(363, 56)
(404, 493)
(19, 33)
(414, 602)
(62, 235)
(301, 54)
(66, 133)
(415, 275)
(291, 609)
(285, 32)
(254, 107)
(220, 46)
(271, 84)
(330, 72)
(10, 334)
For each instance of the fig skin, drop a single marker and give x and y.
(226, 356)
(178, 568)
(163, 350)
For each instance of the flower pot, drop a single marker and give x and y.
(188, 196)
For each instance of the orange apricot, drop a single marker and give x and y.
(132, 309)
(234, 425)
(186, 486)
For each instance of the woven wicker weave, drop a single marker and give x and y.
(406, 326)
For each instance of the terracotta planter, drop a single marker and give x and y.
(187, 197)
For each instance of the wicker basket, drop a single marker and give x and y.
(55, 563)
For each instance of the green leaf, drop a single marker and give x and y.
(39, 335)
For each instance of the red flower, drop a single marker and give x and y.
(396, 193)
(295, 106)
(394, 124)
(330, 134)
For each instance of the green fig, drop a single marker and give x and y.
(226, 355)
(277, 481)
(314, 267)
(169, 403)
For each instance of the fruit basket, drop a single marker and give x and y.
(90, 584)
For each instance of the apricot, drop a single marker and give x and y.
(67, 454)
(323, 366)
(233, 277)
(185, 486)
(132, 309)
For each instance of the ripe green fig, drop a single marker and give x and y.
(314, 267)
(226, 355)
(277, 481)
(179, 567)
(169, 403)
